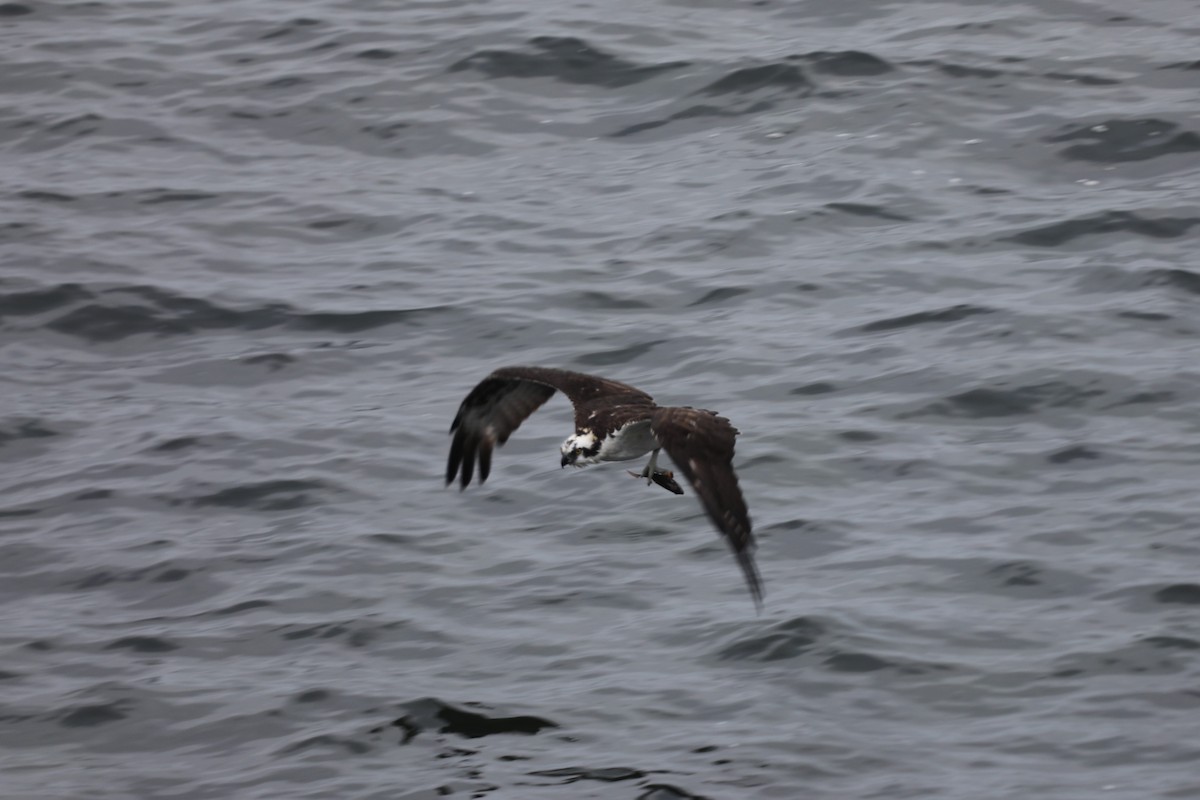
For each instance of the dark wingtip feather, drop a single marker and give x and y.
(485, 461)
(456, 451)
(468, 462)
(457, 419)
(753, 579)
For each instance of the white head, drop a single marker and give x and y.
(580, 449)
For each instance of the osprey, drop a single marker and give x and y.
(613, 422)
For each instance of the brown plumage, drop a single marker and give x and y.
(613, 421)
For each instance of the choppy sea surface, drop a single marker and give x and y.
(936, 260)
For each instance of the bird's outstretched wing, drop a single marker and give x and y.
(701, 445)
(503, 400)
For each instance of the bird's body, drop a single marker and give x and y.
(613, 422)
(633, 440)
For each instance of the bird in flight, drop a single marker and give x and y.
(613, 422)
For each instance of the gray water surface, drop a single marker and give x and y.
(936, 260)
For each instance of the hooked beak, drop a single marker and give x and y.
(566, 459)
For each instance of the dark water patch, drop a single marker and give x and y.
(1187, 66)
(1145, 316)
(91, 716)
(563, 58)
(358, 321)
(867, 210)
(394, 539)
(845, 63)
(67, 133)
(163, 313)
(961, 71)
(142, 644)
(162, 196)
(604, 358)
(5, 675)
(1137, 658)
(354, 636)
(1017, 574)
(1176, 278)
(286, 82)
(26, 429)
(272, 361)
(784, 640)
(104, 577)
(325, 741)
(602, 774)
(1060, 233)
(820, 387)
(788, 525)
(1145, 397)
(9, 513)
(37, 301)
(856, 662)
(994, 402)
(692, 112)
(718, 296)
(972, 72)
(356, 226)
(386, 132)
(178, 443)
(765, 459)
(47, 197)
(277, 495)
(1119, 140)
(376, 54)
(1184, 593)
(14, 10)
(122, 312)
(981, 403)
(1081, 79)
(859, 436)
(18, 231)
(241, 608)
(171, 575)
(432, 714)
(313, 696)
(76, 126)
(329, 224)
(1075, 453)
(1022, 580)
(290, 28)
(95, 494)
(941, 316)
(609, 301)
(665, 791)
(97, 323)
(778, 76)
(97, 579)
(1172, 642)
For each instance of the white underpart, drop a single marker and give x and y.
(631, 441)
